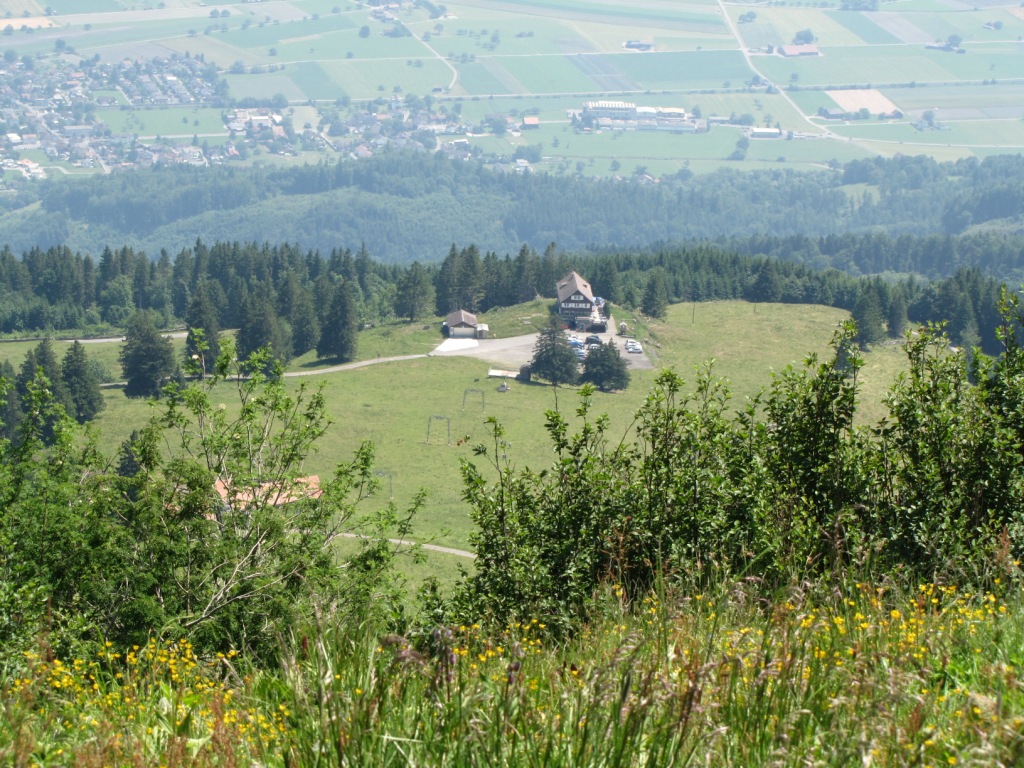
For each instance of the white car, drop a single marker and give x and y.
(634, 347)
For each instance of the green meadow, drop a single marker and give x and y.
(165, 121)
(393, 404)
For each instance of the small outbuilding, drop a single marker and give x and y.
(461, 324)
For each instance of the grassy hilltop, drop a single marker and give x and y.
(391, 403)
(698, 667)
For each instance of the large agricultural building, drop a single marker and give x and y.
(627, 116)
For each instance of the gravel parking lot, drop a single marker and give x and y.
(516, 351)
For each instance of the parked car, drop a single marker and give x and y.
(593, 339)
(581, 353)
(576, 343)
(634, 348)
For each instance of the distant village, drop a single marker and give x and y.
(58, 109)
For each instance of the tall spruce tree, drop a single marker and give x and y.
(416, 295)
(339, 335)
(553, 358)
(46, 358)
(82, 383)
(261, 327)
(304, 323)
(867, 313)
(655, 301)
(147, 358)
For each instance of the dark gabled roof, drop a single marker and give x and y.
(573, 283)
(460, 317)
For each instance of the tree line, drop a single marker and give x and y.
(298, 300)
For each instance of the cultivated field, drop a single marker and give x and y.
(552, 55)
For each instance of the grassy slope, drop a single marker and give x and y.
(391, 404)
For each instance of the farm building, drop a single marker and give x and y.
(615, 110)
(461, 324)
(790, 51)
(765, 133)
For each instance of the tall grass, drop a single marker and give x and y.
(867, 675)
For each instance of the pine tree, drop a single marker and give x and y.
(896, 316)
(606, 369)
(147, 358)
(338, 337)
(305, 326)
(261, 327)
(768, 286)
(553, 358)
(46, 358)
(43, 357)
(415, 293)
(867, 313)
(82, 383)
(655, 301)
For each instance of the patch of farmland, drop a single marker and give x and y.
(214, 50)
(165, 121)
(955, 134)
(549, 74)
(871, 100)
(810, 101)
(1006, 134)
(509, 83)
(265, 86)
(981, 62)
(279, 12)
(862, 66)
(864, 26)
(757, 34)
(760, 105)
(137, 17)
(363, 79)
(611, 37)
(999, 101)
(262, 35)
(686, 70)
(789, 21)
(900, 26)
(136, 51)
(310, 78)
(477, 77)
(694, 18)
(602, 70)
(515, 36)
(805, 152)
(61, 7)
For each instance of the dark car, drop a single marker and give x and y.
(593, 340)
